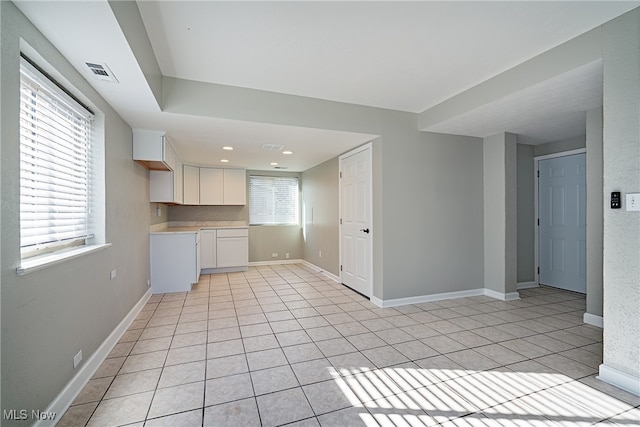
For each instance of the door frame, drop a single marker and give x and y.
(367, 146)
(536, 161)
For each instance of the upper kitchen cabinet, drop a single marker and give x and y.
(166, 186)
(211, 186)
(214, 186)
(153, 150)
(235, 187)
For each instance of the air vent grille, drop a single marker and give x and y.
(101, 71)
(272, 147)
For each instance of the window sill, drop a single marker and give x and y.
(38, 263)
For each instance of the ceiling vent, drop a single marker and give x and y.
(272, 147)
(101, 71)
(281, 167)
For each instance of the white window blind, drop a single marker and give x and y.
(273, 200)
(55, 166)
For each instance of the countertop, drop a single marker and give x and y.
(195, 227)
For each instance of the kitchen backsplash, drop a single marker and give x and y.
(183, 213)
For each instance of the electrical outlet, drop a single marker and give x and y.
(633, 202)
(319, 254)
(77, 359)
(148, 283)
(112, 275)
(274, 254)
(286, 255)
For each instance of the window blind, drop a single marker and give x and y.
(55, 166)
(273, 200)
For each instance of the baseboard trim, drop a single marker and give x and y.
(619, 379)
(395, 302)
(297, 261)
(510, 296)
(65, 398)
(321, 270)
(593, 320)
(527, 285)
(275, 262)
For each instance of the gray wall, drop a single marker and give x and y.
(559, 146)
(621, 172)
(48, 315)
(320, 203)
(526, 214)
(595, 207)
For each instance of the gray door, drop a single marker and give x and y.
(562, 213)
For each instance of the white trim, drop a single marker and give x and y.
(30, 265)
(297, 261)
(536, 169)
(620, 379)
(320, 270)
(224, 270)
(364, 147)
(395, 302)
(276, 262)
(527, 285)
(502, 296)
(593, 320)
(65, 398)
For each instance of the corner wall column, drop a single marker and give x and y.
(621, 172)
(500, 216)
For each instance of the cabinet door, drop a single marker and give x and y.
(235, 187)
(211, 186)
(208, 249)
(191, 179)
(233, 251)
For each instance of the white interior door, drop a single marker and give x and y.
(562, 215)
(355, 220)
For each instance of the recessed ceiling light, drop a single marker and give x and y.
(274, 164)
(224, 161)
(287, 152)
(227, 147)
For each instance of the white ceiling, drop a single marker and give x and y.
(406, 56)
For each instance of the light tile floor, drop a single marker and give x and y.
(285, 345)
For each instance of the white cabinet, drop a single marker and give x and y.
(175, 261)
(153, 150)
(235, 187)
(214, 186)
(208, 246)
(191, 177)
(232, 247)
(224, 249)
(211, 186)
(166, 186)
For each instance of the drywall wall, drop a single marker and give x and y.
(621, 172)
(49, 315)
(320, 207)
(526, 214)
(500, 213)
(559, 146)
(434, 241)
(595, 207)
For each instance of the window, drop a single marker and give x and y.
(273, 200)
(55, 166)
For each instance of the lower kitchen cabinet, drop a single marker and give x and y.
(175, 261)
(224, 250)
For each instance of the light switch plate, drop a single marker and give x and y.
(633, 202)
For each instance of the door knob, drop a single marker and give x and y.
(366, 230)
